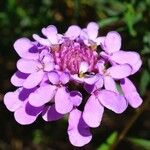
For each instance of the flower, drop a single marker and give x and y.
(54, 72)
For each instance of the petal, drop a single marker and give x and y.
(53, 77)
(110, 84)
(18, 78)
(76, 97)
(33, 79)
(112, 42)
(89, 88)
(93, 112)
(131, 93)
(11, 100)
(73, 32)
(24, 47)
(51, 114)
(83, 67)
(119, 71)
(42, 41)
(28, 66)
(92, 79)
(64, 78)
(122, 57)
(63, 103)
(51, 33)
(78, 131)
(92, 30)
(39, 98)
(112, 101)
(27, 114)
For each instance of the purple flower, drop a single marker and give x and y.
(55, 70)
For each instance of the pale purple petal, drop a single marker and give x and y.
(53, 77)
(76, 98)
(131, 93)
(73, 32)
(11, 100)
(110, 84)
(63, 103)
(27, 114)
(112, 42)
(122, 57)
(28, 66)
(112, 101)
(92, 30)
(78, 131)
(33, 79)
(119, 71)
(18, 78)
(93, 112)
(83, 67)
(24, 48)
(64, 78)
(42, 41)
(51, 114)
(42, 95)
(92, 79)
(51, 33)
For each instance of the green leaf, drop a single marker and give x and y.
(37, 136)
(145, 79)
(109, 142)
(108, 21)
(145, 144)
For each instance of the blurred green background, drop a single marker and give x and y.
(19, 18)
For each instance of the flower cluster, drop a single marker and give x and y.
(76, 73)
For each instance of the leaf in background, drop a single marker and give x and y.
(108, 21)
(145, 79)
(37, 136)
(145, 144)
(131, 17)
(109, 142)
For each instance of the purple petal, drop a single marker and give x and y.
(119, 71)
(11, 100)
(92, 30)
(51, 33)
(39, 98)
(122, 57)
(33, 80)
(91, 79)
(51, 114)
(62, 101)
(89, 88)
(18, 78)
(28, 66)
(76, 97)
(112, 101)
(24, 93)
(93, 112)
(27, 114)
(110, 84)
(53, 77)
(64, 78)
(23, 47)
(78, 131)
(112, 42)
(73, 32)
(131, 93)
(40, 40)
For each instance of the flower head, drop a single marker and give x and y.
(55, 70)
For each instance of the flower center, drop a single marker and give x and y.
(71, 54)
